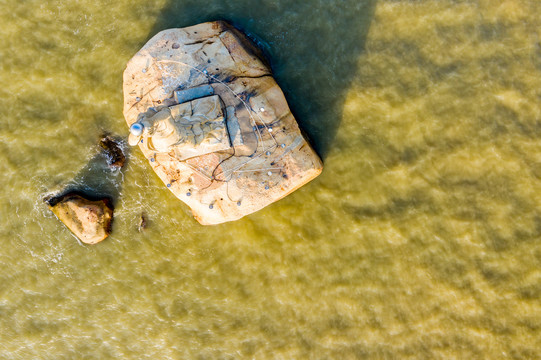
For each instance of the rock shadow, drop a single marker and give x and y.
(97, 179)
(313, 48)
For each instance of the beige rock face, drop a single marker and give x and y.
(206, 112)
(89, 220)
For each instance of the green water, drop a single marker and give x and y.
(421, 239)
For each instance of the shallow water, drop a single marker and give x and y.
(421, 239)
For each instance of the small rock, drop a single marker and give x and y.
(142, 222)
(115, 156)
(89, 220)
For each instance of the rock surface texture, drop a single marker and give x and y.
(89, 220)
(206, 112)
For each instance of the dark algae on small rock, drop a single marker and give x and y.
(113, 151)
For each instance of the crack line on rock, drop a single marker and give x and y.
(255, 128)
(250, 110)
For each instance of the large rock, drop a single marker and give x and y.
(206, 112)
(89, 220)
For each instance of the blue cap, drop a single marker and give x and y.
(136, 129)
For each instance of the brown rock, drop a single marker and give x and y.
(115, 156)
(142, 222)
(89, 220)
(205, 110)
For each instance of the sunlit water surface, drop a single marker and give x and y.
(421, 239)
